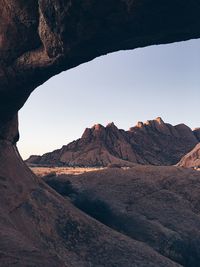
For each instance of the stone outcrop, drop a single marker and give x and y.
(191, 159)
(153, 142)
(197, 133)
(156, 205)
(39, 39)
(38, 227)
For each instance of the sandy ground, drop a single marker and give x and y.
(43, 171)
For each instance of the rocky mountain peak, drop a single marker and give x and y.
(98, 127)
(157, 124)
(139, 124)
(153, 142)
(159, 120)
(110, 124)
(186, 132)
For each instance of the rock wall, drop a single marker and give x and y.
(39, 39)
(191, 159)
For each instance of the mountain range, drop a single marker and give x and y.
(153, 142)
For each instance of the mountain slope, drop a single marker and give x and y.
(191, 159)
(38, 227)
(158, 205)
(153, 142)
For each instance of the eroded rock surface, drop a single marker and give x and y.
(191, 159)
(39, 39)
(38, 227)
(156, 205)
(197, 133)
(153, 142)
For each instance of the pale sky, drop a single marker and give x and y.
(123, 87)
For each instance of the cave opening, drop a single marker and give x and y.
(122, 87)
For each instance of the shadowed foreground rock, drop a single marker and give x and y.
(156, 205)
(39, 39)
(38, 227)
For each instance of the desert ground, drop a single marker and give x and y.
(57, 171)
(50, 171)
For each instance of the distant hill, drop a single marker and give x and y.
(153, 142)
(191, 159)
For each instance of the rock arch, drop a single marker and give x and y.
(39, 39)
(42, 38)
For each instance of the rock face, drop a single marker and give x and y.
(192, 159)
(153, 142)
(197, 133)
(38, 227)
(39, 39)
(156, 205)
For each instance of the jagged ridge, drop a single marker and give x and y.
(153, 142)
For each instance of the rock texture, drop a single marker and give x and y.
(153, 142)
(191, 159)
(156, 205)
(39, 39)
(197, 133)
(38, 227)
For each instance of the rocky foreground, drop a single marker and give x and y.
(158, 206)
(153, 142)
(144, 216)
(39, 227)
